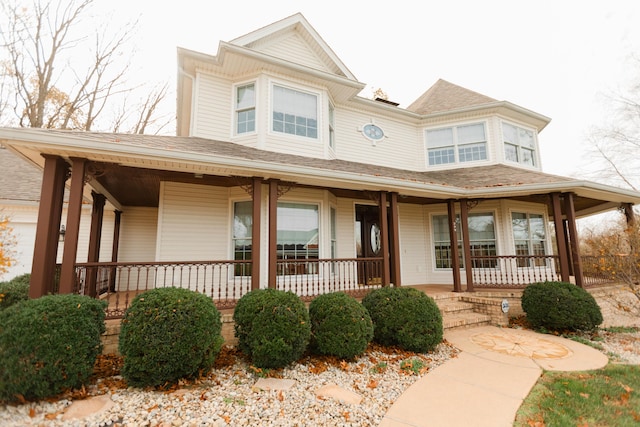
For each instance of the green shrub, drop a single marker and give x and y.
(168, 334)
(14, 291)
(404, 317)
(340, 325)
(560, 306)
(49, 344)
(272, 327)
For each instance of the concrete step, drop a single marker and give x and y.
(464, 320)
(454, 306)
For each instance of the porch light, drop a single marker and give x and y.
(61, 233)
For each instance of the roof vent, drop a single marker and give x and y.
(386, 101)
(380, 96)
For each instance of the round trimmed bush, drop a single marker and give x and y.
(560, 306)
(48, 345)
(272, 327)
(168, 334)
(14, 291)
(404, 317)
(340, 325)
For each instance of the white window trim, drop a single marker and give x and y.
(496, 230)
(234, 110)
(536, 150)
(548, 246)
(457, 162)
(331, 126)
(304, 89)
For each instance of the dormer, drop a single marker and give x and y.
(464, 128)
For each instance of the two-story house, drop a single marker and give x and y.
(282, 175)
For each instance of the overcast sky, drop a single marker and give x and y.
(556, 58)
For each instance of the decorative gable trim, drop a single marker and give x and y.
(258, 39)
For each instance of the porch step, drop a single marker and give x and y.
(458, 314)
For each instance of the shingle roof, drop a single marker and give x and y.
(445, 96)
(470, 178)
(19, 180)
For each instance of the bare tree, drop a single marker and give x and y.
(61, 74)
(615, 144)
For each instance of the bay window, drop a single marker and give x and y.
(529, 237)
(482, 240)
(297, 236)
(465, 143)
(519, 144)
(245, 108)
(295, 112)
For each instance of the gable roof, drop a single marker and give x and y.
(296, 26)
(445, 96)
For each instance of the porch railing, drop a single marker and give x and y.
(514, 271)
(225, 282)
(309, 278)
(601, 270)
(118, 283)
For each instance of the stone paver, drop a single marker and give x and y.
(80, 409)
(273, 384)
(338, 393)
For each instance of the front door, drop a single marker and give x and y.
(368, 244)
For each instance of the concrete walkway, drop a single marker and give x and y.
(487, 382)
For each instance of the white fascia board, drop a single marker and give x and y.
(304, 174)
(226, 48)
(290, 22)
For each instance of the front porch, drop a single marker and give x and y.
(225, 282)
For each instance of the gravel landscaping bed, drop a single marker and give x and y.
(228, 396)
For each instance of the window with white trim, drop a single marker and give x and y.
(297, 237)
(295, 112)
(482, 239)
(246, 108)
(241, 240)
(529, 238)
(332, 142)
(457, 144)
(519, 144)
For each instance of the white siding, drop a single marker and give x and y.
(291, 47)
(138, 228)
(213, 110)
(402, 148)
(23, 220)
(193, 223)
(413, 245)
(346, 228)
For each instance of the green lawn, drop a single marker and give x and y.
(604, 397)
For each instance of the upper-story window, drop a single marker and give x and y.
(295, 112)
(332, 134)
(246, 108)
(519, 144)
(455, 144)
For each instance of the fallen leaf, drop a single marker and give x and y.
(346, 416)
(585, 395)
(32, 412)
(372, 383)
(280, 396)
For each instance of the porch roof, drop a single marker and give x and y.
(140, 162)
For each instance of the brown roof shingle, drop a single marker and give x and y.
(445, 96)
